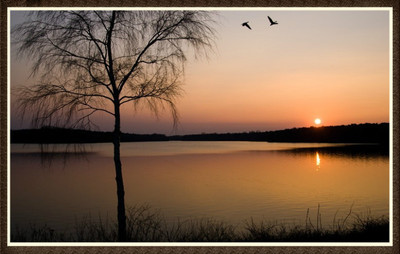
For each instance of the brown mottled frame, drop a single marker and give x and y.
(197, 3)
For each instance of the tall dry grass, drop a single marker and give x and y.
(145, 224)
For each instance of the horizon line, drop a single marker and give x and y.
(201, 133)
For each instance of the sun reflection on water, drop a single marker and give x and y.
(318, 161)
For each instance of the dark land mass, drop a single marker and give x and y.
(53, 135)
(354, 133)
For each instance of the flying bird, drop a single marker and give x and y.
(246, 24)
(272, 22)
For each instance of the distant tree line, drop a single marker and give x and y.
(354, 133)
(62, 135)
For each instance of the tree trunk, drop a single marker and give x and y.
(118, 177)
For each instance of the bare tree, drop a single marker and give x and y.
(98, 61)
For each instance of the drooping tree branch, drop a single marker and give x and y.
(114, 57)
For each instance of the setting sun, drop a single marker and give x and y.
(317, 121)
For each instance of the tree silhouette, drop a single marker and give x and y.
(98, 61)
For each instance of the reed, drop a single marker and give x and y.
(145, 224)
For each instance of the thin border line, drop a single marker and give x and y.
(208, 244)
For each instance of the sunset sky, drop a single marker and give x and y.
(327, 64)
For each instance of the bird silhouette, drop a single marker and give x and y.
(246, 24)
(272, 22)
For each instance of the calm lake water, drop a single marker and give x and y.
(228, 181)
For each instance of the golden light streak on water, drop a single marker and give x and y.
(318, 160)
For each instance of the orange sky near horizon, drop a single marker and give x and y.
(333, 65)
